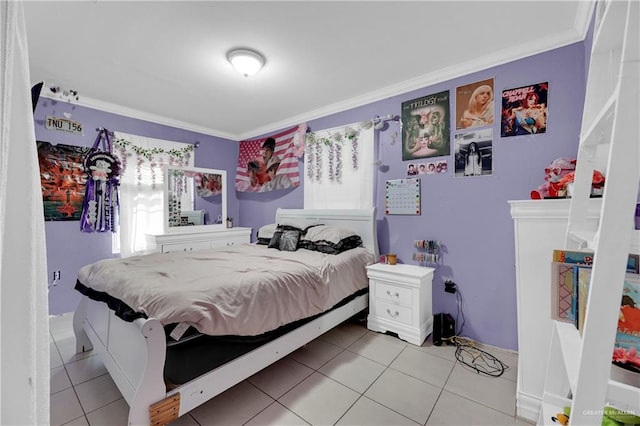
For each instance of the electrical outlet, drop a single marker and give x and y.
(449, 286)
(56, 275)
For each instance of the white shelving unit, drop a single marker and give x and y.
(579, 367)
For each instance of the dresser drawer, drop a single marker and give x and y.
(228, 242)
(394, 294)
(393, 312)
(190, 246)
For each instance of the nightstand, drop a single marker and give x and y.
(400, 301)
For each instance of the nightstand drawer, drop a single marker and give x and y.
(393, 312)
(394, 294)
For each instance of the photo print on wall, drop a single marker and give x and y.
(474, 153)
(427, 168)
(63, 180)
(475, 104)
(426, 127)
(524, 110)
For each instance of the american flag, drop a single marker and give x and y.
(287, 144)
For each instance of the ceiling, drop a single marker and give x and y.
(165, 61)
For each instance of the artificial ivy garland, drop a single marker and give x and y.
(179, 157)
(334, 143)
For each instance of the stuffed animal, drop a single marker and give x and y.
(552, 187)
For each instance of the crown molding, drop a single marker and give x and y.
(498, 58)
(140, 115)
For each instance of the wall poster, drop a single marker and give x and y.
(475, 104)
(63, 180)
(524, 110)
(426, 127)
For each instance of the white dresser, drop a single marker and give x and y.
(400, 301)
(188, 241)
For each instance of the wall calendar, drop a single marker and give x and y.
(402, 196)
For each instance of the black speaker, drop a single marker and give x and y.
(444, 327)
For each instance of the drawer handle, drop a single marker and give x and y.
(393, 315)
(392, 295)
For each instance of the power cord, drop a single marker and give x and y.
(480, 361)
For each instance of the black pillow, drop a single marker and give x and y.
(275, 240)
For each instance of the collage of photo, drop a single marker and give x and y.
(426, 126)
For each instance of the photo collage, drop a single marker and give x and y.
(426, 126)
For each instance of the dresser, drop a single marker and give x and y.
(189, 241)
(400, 301)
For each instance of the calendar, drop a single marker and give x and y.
(402, 196)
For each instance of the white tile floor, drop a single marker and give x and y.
(348, 376)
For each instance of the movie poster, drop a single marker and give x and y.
(475, 104)
(524, 110)
(425, 127)
(63, 180)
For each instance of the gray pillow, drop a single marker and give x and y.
(289, 240)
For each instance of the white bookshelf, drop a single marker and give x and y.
(579, 370)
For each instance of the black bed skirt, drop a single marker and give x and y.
(195, 353)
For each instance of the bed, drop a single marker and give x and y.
(138, 352)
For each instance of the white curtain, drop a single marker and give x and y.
(141, 186)
(339, 168)
(24, 315)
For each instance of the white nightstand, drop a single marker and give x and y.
(400, 301)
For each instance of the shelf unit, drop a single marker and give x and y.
(579, 369)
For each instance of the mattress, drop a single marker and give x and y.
(244, 290)
(229, 300)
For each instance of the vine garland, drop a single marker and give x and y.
(178, 157)
(314, 146)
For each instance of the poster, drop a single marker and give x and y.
(63, 180)
(524, 110)
(475, 104)
(268, 164)
(426, 127)
(474, 153)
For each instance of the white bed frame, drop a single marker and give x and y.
(134, 352)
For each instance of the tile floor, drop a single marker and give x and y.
(348, 376)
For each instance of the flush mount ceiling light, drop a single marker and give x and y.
(246, 61)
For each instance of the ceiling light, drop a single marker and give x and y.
(246, 61)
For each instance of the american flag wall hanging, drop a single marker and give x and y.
(270, 163)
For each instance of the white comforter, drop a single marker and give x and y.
(242, 290)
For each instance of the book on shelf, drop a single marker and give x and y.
(627, 344)
(564, 281)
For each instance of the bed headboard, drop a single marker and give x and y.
(362, 221)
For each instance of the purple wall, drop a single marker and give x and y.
(470, 216)
(68, 249)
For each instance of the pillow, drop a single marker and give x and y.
(330, 239)
(265, 233)
(274, 242)
(289, 240)
(332, 234)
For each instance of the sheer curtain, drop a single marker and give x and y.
(339, 168)
(141, 187)
(24, 313)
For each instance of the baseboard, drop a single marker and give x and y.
(528, 407)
